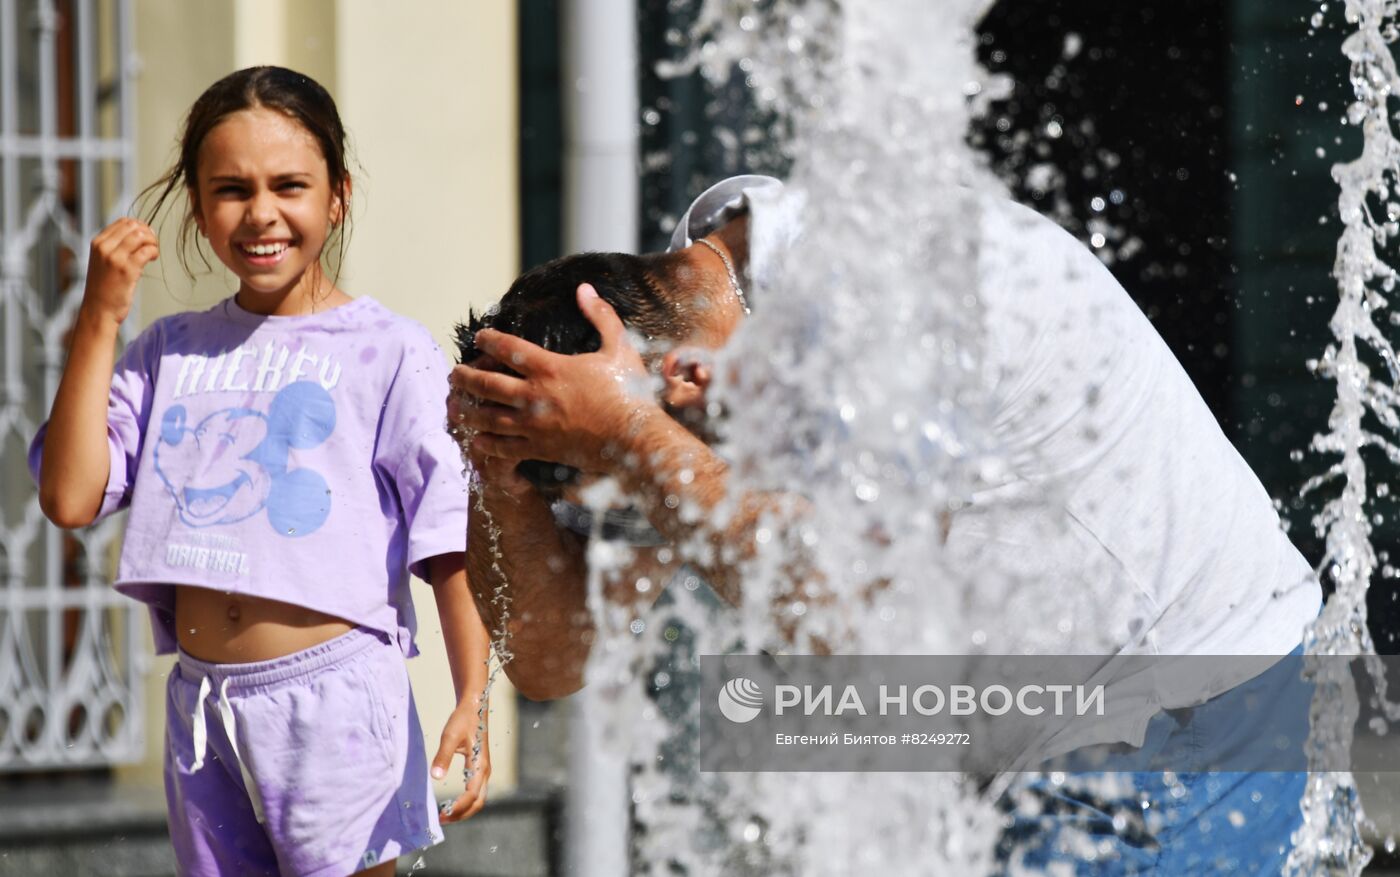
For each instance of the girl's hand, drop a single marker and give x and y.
(119, 254)
(459, 738)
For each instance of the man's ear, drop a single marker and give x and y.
(687, 376)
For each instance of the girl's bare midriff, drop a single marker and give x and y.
(236, 629)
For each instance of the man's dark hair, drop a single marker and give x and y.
(541, 307)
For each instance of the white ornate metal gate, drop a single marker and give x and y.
(71, 650)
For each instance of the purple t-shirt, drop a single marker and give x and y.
(300, 459)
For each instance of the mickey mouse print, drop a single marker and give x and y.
(236, 462)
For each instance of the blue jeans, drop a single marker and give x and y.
(1182, 821)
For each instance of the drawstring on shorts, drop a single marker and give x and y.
(201, 738)
(249, 678)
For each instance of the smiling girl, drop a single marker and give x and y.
(286, 467)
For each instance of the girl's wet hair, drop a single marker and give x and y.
(295, 95)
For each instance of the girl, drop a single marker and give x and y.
(286, 467)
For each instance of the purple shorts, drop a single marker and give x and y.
(309, 765)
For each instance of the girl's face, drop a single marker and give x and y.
(264, 201)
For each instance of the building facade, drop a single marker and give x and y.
(92, 95)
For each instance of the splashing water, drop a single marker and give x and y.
(1330, 839)
(500, 635)
(500, 653)
(858, 382)
(868, 398)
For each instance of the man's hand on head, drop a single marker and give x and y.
(495, 473)
(578, 411)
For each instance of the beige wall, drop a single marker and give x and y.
(427, 89)
(433, 109)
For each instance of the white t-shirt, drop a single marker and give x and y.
(1097, 419)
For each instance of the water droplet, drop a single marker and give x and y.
(1074, 44)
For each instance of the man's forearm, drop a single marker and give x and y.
(530, 583)
(681, 483)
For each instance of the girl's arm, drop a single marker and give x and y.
(468, 653)
(76, 464)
